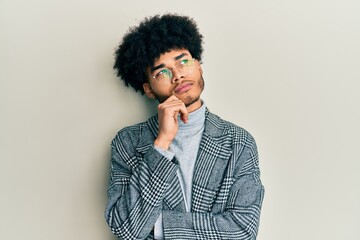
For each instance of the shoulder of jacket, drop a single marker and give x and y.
(239, 134)
(132, 132)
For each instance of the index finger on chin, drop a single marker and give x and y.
(184, 114)
(171, 98)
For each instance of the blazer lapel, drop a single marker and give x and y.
(214, 153)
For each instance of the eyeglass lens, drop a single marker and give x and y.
(185, 67)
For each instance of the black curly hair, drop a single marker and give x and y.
(156, 35)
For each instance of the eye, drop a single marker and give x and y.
(163, 73)
(184, 61)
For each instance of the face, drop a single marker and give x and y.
(176, 73)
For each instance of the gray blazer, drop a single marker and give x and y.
(226, 194)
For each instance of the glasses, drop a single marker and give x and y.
(185, 67)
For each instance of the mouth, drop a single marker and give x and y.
(183, 88)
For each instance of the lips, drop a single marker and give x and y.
(182, 88)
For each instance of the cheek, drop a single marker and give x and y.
(201, 83)
(161, 93)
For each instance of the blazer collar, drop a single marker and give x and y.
(215, 132)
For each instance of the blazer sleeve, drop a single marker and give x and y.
(240, 218)
(136, 188)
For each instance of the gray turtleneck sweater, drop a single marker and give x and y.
(184, 148)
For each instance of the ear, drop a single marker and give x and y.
(148, 91)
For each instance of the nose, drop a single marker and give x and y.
(177, 75)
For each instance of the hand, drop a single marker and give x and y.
(168, 112)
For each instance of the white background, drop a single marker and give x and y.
(287, 71)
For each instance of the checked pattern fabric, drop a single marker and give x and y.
(227, 193)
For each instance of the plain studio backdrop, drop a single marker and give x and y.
(287, 71)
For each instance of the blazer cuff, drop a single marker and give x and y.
(169, 155)
(158, 162)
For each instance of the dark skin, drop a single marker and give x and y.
(181, 95)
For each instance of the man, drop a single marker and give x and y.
(185, 173)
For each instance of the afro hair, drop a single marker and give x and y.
(156, 35)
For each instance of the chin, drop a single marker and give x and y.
(190, 102)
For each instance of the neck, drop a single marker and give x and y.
(194, 105)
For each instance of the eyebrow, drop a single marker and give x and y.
(163, 65)
(180, 56)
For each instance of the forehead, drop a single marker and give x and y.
(171, 56)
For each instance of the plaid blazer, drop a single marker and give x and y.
(226, 194)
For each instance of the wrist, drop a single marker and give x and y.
(162, 143)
